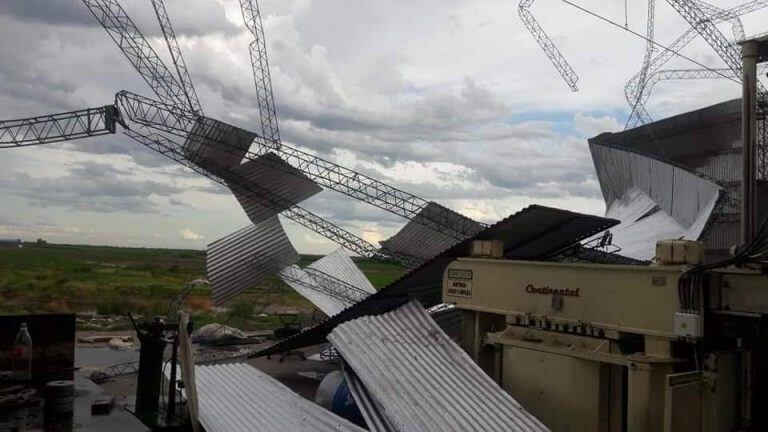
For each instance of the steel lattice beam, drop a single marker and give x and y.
(333, 176)
(139, 52)
(171, 116)
(260, 66)
(325, 283)
(636, 88)
(550, 49)
(188, 88)
(58, 127)
(175, 151)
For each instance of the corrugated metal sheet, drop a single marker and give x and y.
(372, 412)
(213, 145)
(421, 379)
(450, 319)
(339, 265)
(416, 239)
(307, 287)
(705, 141)
(680, 193)
(654, 200)
(332, 283)
(532, 233)
(238, 397)
(268, 174)
(246, 257)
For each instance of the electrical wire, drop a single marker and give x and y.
(626, 15)
(666, 48)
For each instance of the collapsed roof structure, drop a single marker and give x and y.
(677, 178)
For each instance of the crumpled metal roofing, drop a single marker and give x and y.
(372, 412)
(654, 199)
(535, 232)
(238, 397)
(247, 256)
(339, 265)
(214, 145)
(706, 141)
(323, 297)
(418, 240)
(332, 283)
(273, 176)
(422, 380)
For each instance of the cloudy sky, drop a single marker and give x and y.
(449, 99)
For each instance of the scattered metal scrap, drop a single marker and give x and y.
(416, 378)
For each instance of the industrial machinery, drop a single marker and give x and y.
(674, 345)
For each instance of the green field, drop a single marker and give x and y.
(112, 281)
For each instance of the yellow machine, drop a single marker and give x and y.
(598, 347)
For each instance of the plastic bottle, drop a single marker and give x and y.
(22, 354)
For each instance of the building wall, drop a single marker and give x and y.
(708, 142)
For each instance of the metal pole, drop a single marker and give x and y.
(171, 408)
(749, 52)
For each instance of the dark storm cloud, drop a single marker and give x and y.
(188, 17)
(92, 186)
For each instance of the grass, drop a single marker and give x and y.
(46, 278)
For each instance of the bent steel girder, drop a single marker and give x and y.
(175, 151)
(170, 119)
(635, 87)
(550, 49)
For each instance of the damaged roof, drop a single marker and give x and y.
(532, 233)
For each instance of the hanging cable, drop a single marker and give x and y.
(626, 15)
(665, 48)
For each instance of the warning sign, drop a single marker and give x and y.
(459, 288)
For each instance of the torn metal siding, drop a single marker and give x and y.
(520, 232)
(421, 379)
(238, 397)
(654, 199)
(418, 240)
(246, 257)
(285, 185)
(339, 265)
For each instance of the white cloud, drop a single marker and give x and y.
(590, 126)
(449, 99)
(188, 234)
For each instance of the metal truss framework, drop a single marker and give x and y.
(140, 53)
(167, 118)
(175, 151)
(260, 66)
(59, 127)
(638, 88)
(193, 103)
(550, 49)
(177, 115)
(328, 174)
(325, 283)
